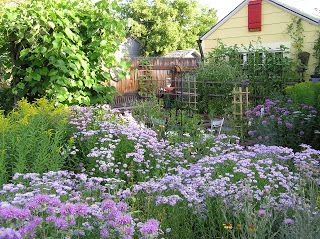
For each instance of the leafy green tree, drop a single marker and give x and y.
(61, 49)
(167, 25)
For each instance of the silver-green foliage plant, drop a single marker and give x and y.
(61, 49)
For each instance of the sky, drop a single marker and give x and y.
(223, 7)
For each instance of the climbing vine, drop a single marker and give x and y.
(316, 54)
(295, 31)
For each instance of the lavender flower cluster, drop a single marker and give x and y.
(123, 162)
(178, 173)
(119, 147)
(282, 123)
(67, 205)
(259, 174)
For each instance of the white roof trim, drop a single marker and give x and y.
(295, 11)
(286, 8)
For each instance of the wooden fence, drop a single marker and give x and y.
(158, 69)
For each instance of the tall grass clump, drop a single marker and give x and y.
(33, 137)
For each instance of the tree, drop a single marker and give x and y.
(167, 25)
(61, 49)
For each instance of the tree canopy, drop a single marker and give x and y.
(168, 25)
(61, 49)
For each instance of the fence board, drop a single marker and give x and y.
(131, 83)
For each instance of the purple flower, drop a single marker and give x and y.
(150, 227)
(104, 233)
(122, 206)
(289, 125)
(9, 233)
(123, 219)
(288, 221)
(262, 213)
(108, 204)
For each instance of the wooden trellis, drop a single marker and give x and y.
(240, 103)
(186, 89)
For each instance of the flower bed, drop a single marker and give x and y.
(129, 182)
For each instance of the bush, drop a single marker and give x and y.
(33, 138)
(284, 123)
(60, 49)
(215, 84)
(146, 111)
(305, 93)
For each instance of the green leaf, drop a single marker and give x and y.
(24, 53)
(51, 25)
(69, 33)
(35, 76)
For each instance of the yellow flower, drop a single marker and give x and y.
(238, 226)
(252, 227)
(162, 126)
(227, 226)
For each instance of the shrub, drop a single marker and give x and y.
(215, 84)
(33, 138)
(153, 115)
(148, 111)
(284, 123)
(305, 93)
(60, 49)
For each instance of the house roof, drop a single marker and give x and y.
(184, 54)
(310, 17)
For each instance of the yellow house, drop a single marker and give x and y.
(264, 23)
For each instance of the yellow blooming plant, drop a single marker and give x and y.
(227, 226)
(33, 137)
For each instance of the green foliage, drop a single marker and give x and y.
(178, 122)
(33, 138)
(61, 49)
(295, 31)
(168, 25)
(305, 92)
(6, 99)
(147, 86)
(268, 72)
(316, 54)
(147, 110)
(284, 123)
(216, 81)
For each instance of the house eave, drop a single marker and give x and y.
(223, 20)
(286, 8)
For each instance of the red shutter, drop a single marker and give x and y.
(254, 15)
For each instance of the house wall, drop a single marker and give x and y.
(129, 49)
(274, 32)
